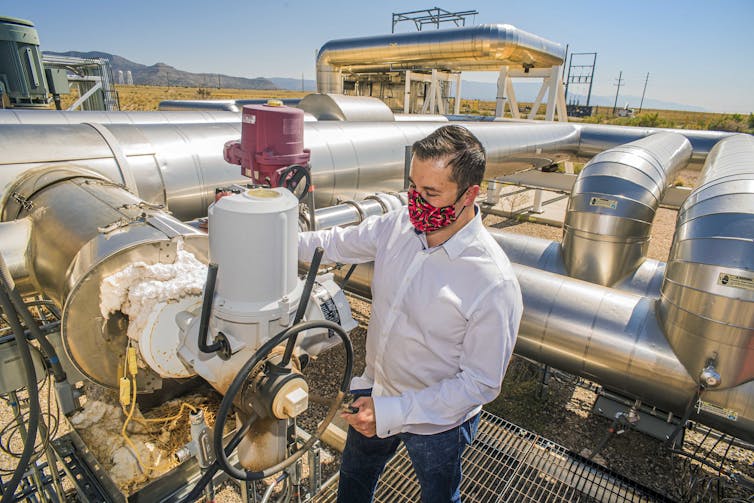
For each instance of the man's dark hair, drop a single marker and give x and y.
(465, 154)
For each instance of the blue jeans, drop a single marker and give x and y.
(436, 460)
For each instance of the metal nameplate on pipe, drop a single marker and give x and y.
(735, 281)
(604, 203)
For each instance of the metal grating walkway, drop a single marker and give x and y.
(509, 464)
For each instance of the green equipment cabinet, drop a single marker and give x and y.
(21, 71)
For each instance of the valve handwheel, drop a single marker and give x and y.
(237, 385)
(291, 178)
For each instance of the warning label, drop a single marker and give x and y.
(604, 203)
(716, 410)
(735, 281)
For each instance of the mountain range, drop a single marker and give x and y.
(161, 74)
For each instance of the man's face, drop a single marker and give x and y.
(431, 179)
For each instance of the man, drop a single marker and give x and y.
(445, 312)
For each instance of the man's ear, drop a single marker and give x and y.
(471, 194)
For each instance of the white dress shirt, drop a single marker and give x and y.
(443, 323)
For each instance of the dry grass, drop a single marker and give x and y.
(146, 98)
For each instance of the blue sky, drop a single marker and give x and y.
(697, 52)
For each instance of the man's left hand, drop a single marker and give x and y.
(364, 420)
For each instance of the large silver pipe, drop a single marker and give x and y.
(352, 160)
(595, 138)
(547, 256)
(178, 165)
(614, 338)
(219, 105)
(181, 164)
(209, 115)
(613, 203)
(707, 302)
(477, 48)
(339, 107)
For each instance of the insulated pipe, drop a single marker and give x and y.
(339, 107)
(614, 338)
(596, 138)
(613, 203)
(177, 165)
(210, 115)
(547, 256)
(483, 47)
(180, 165)
(707, 303)
(219, 105)
(352, 160)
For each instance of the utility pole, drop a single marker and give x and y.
(619, 83)
(644, 92)
(302, 82)
(218, 81)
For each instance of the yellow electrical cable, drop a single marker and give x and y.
(184, 405)
(124, 434)
(131, 368)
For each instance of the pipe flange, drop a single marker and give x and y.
(376, 197)
(351, 202)
(17, 198)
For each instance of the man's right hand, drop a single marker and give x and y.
(364, 420)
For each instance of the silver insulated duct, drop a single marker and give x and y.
(613, 203)
(477, 48)
(197, 116)
(707, 298)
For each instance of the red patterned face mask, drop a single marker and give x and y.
(427, 218)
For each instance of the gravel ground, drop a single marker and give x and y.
(560, 411)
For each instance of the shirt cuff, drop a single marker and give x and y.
(361, 382)
(388, 415)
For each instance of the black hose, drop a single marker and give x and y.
(31, 384)
(209, 294)
(303, 302)
(47, 349)
(240, 379)
(347, 276)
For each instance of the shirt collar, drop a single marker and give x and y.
(462, 239)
